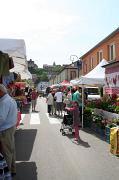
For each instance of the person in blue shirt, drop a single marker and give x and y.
(77, 97)
(8, 119)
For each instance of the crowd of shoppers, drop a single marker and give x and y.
(58, 99)
(68, 100)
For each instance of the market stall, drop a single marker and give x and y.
(16, 49)
(96, 77)
(14, 68)
(65, 84)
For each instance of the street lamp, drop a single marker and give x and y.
(73, 58)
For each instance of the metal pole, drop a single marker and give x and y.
(82, 103)
(82, 98)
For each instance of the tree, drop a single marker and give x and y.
(54, 63)
(57, 68)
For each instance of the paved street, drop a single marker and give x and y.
(44, 154)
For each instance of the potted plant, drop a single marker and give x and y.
(87, 117)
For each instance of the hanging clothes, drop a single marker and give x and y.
(8, 79)
(11, 63)
(4, 64)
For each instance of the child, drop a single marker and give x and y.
(76, 119)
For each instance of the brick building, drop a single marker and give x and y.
(107, 49)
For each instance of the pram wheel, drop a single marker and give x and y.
(63, 133)
(61, 130)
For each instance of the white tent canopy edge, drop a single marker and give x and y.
(96, 77)
(16, 49)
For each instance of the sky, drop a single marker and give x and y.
(55, 30)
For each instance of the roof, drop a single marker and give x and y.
(111, 63)
(14, 47)
(94, 77)
(101, 42)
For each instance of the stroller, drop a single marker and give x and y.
(67, 124)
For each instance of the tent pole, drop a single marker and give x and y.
(82, 104)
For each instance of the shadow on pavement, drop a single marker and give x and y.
(90, 131)
(26, 171)
(84, 143)
(80, 142)
(24, 141)
(26, 109)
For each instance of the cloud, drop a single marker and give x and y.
(38, 23)
(35, 18)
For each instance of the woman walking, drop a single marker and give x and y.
(50, 102)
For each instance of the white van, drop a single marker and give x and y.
(93, 93)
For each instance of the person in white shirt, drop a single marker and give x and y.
(50, 102)
(59, 101)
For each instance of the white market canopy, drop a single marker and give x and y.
(95, 77)
(16, 49)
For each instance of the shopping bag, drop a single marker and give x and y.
(114, 140)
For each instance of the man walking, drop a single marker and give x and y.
(59, 101)
(8, 118)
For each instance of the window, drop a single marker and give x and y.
(91, 63)
(85, 68)
(72, 74)
(100, 56)
(112, 52)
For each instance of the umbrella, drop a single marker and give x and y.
(55, 86)
(65, 83)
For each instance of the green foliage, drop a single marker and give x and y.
(57, 68)
(106, 103)
(87, 117)
(115, 121)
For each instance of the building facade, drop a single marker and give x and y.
(31, 64)
(68, 73)
(107, 49)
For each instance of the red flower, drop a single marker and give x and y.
(117, 103)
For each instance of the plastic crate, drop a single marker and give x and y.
(107, 130)
(108, 138)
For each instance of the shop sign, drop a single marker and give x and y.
(112, 80)
(111, 90)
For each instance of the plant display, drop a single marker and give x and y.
(106, 103)
(98, 120)
(87, 117)
(115, 121)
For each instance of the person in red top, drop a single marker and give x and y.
(34, 96)
(76, 119)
